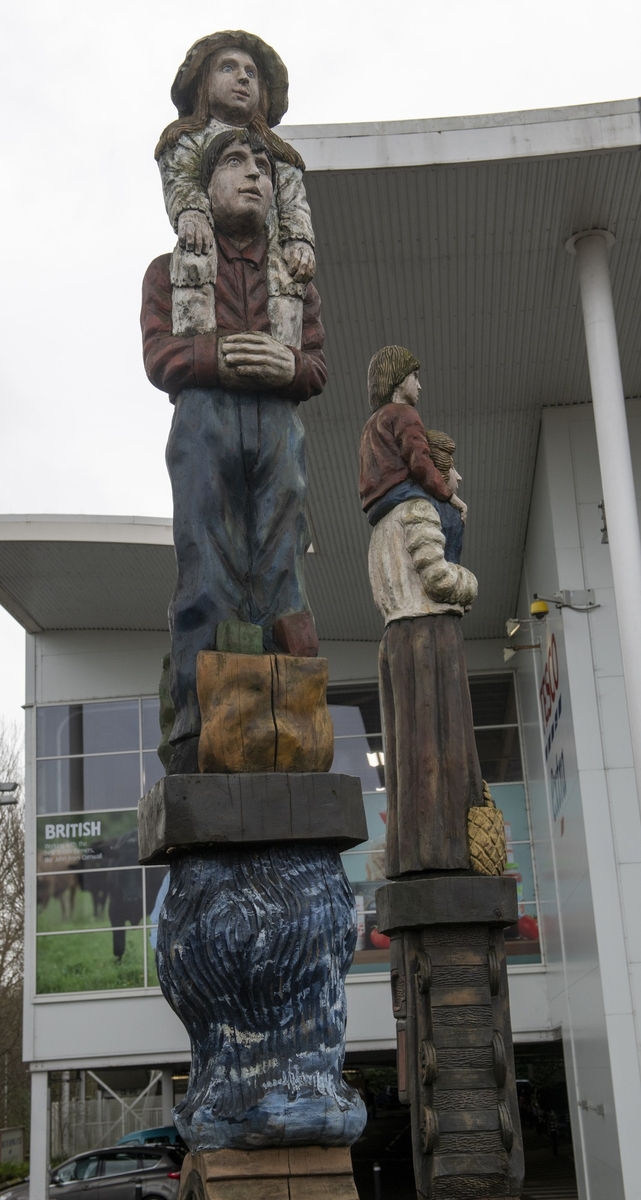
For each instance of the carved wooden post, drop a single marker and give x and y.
(455, 1058)
(445, 846)
(255, 938)
(258, 927)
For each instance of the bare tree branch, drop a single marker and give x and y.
(14, 1082)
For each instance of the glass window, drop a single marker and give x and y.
(60, 785)
(78, 1168)
(510, 798)
(107, 960)
(73, 900)
(59, 730)
(358, 744)
(355, 710)
(104, 839)
(156, 885)
(500, 754)
(150, 723)
(362, 756)
(111, 726)
(112, 781)
(152, 770)
(119, 1162)
(95, 759)
(359, 751)
(493, 700)
(497, 739)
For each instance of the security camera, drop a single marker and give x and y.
(539, 608)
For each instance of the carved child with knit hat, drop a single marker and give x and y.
(232, 79)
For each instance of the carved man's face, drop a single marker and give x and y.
(234, 93)
(241, 190)
(408, 391)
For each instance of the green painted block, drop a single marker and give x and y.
(239, 637)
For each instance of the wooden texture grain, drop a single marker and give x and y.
(263, 712)
(445, 900)
(290, 1173)
(452, 1009)
(184, 812)
(432, 768)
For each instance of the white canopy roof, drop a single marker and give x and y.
(446, 236)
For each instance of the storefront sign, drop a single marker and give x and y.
(12, 1145)
(551, 709)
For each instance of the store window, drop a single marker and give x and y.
(359, 751)
(97, 909)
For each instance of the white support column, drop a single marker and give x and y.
(39, 1141)
(167, 1096)
(613, 442)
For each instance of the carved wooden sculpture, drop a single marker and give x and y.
(445, 849)
(258, 928)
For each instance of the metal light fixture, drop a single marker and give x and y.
(512, 625)
(6, 790)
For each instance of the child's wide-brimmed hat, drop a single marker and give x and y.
(271, 69)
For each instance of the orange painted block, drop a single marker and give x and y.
(263, 713)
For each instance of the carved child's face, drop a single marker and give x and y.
(454, 478)
(241, 190)
(234, 92)
(408, 391)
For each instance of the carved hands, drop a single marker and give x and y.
(456, 502)
(300, 261)
(257, 361)
(194, 231)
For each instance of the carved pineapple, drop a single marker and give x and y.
(486, 837)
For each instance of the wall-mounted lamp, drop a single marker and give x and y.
(510, 651)
(512, 625)
(6, 790)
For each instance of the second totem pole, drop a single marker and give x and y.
(447, 903)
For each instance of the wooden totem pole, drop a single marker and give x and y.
(448, 903)
(258, 928)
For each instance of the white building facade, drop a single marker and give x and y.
(455, 239)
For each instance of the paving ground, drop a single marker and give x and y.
(386, 1141)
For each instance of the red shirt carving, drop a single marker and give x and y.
(173, 363)
(394, 448)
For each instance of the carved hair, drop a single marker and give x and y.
(387, 369)
(198, 117)
(442, 451)
(219, 144)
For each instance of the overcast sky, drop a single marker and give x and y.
(85, 94)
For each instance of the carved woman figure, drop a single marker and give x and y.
(432, 770)
(233, 79)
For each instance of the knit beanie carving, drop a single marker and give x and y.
(388, 367)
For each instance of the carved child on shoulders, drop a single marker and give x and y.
(234, 80)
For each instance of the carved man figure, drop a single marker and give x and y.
(236, 449)
(432, 771)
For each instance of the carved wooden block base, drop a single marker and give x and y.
(296, 1173)
(263, 712)
(182, 812)
(455, 1057)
